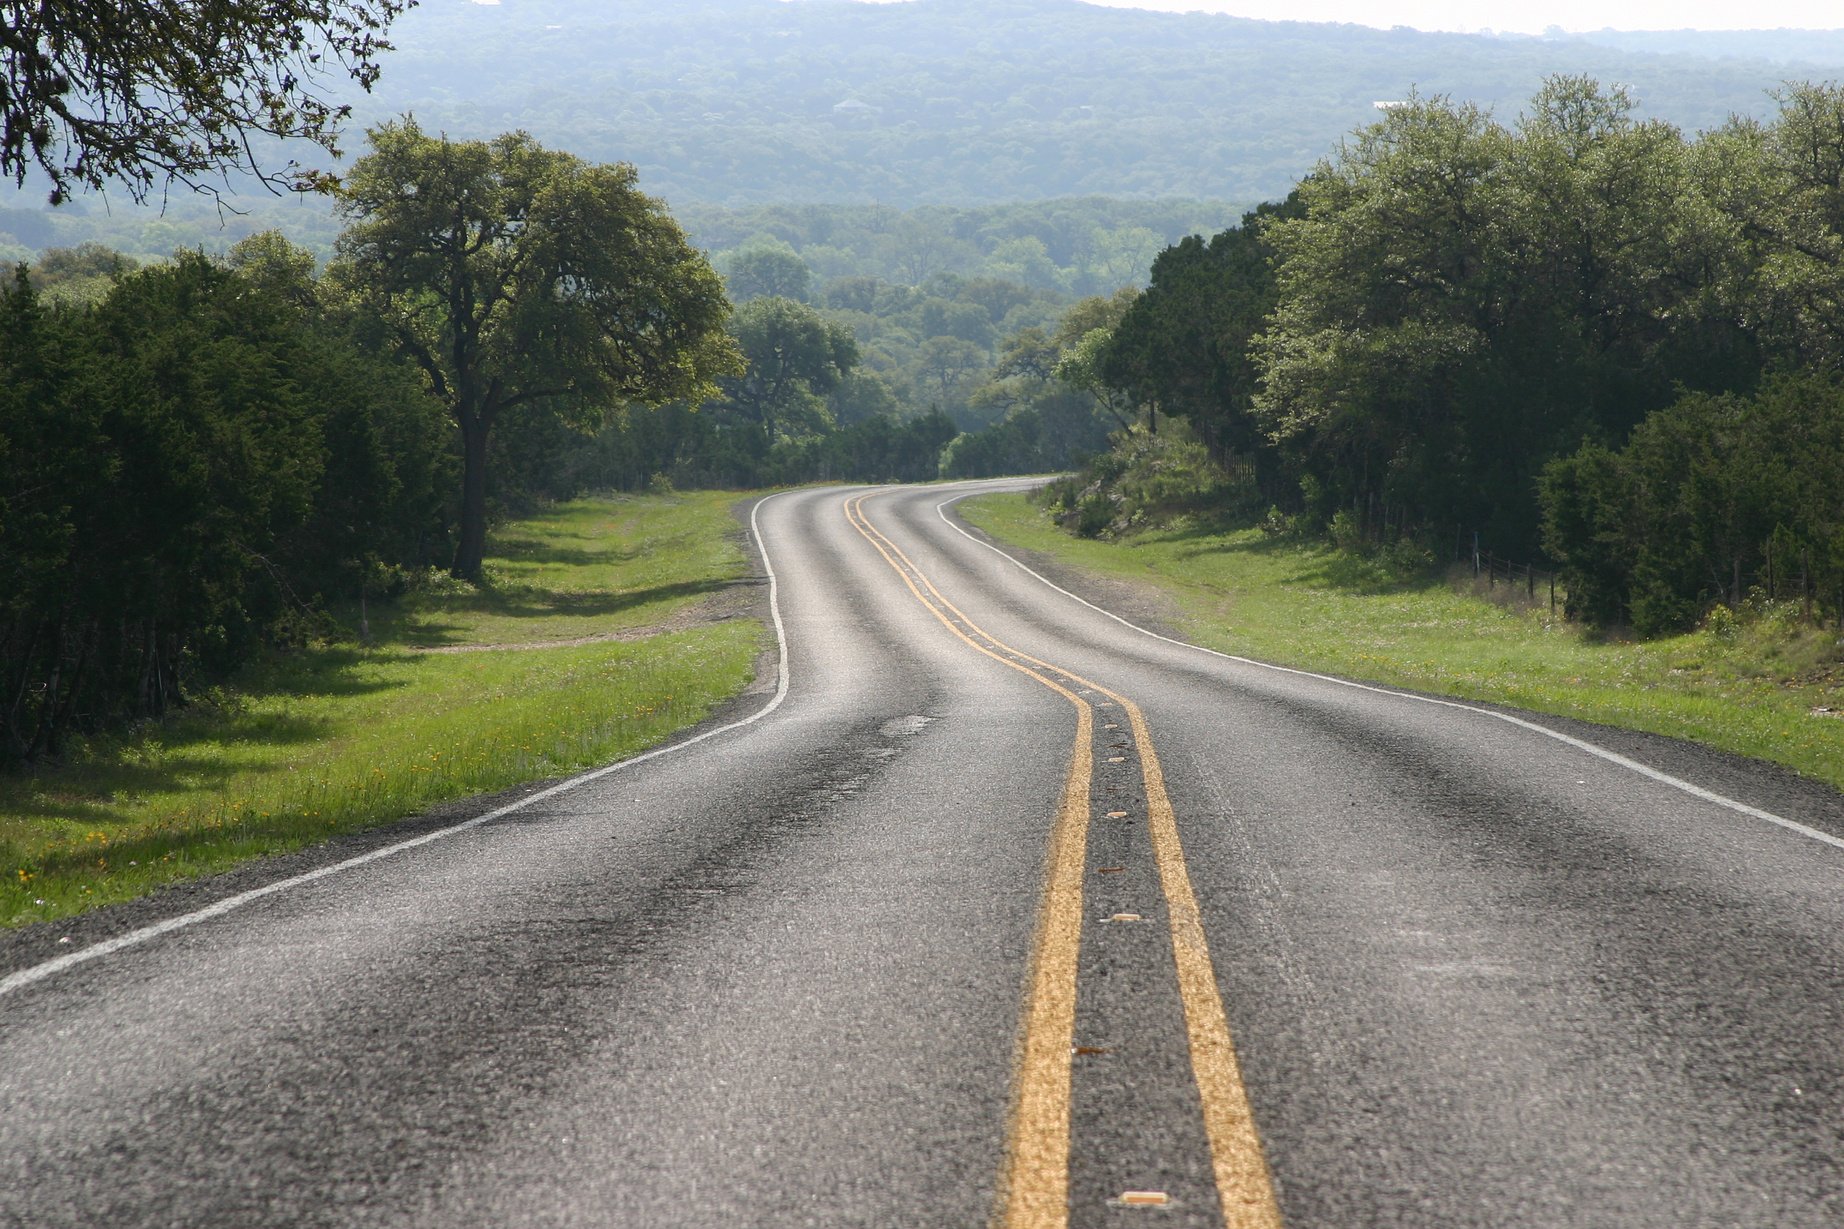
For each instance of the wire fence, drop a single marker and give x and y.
(1496, 571)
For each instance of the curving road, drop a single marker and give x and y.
(995, 910)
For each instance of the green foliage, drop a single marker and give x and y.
(1048, 407)
(522, 280)
(82, 275)
(770, 269)
(145, 94)
(1723, 625)
(1463, 300)
(1713, 498)
(1147, 481)
(1345, 532)
(1451, 302)
(1184, 344)
(876, 449)
(792, 357)
(1084, 246)
(869, 383)
(189, 464)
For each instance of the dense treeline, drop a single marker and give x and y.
(186, 468)
(202, 457)
(1079, 246)
(872, 383)
(1717, 498)
(1090, 245)
(198, 457)
(1452, 304)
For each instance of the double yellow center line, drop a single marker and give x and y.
(1036, 1180)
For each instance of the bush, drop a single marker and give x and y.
(1711, 497)
(1722, 624)
(1277, 524)
(1344, 531)
(187, 469)
(1406, 558)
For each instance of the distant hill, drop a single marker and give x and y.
(976, 101)
(1788, 48)
(741, 103)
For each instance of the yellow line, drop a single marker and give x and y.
(1036, 1181)
(1037, 1149)
(1245, 1187)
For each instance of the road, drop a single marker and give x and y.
(996, 910)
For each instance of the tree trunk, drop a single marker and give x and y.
(48, 707)
(471, 549)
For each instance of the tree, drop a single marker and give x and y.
(82, 274)
(793, 358)
(382, 498)
(1120, 257)
(862, 395)
(1463, 300)
(1184, 344)
(1712, 497)
(766, 270)
(1780, 189)
(1095, 312)
(518, 279)
(1028, 354)
(186, 468)
(146, 91)
(947, 362)
(1081, 367)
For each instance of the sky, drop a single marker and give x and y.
(1526, 16)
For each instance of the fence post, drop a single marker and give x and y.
(1805, 580)
(1475, 554)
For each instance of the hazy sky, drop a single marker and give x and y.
(1530, 16)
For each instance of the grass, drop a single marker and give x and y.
(338, 737)
(588, 568)
(1757, 689)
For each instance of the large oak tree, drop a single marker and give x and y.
(519, 278)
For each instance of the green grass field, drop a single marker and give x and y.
(1765, 689)
(339, 737)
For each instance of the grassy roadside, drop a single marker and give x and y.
(463, 691)
(1761, 688)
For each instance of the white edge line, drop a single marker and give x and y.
(50, 968)
(1612, 757)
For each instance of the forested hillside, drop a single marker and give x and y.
(972, 101)
(944, 102)
(1787, 47)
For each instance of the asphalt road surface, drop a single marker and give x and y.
(990, 909)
